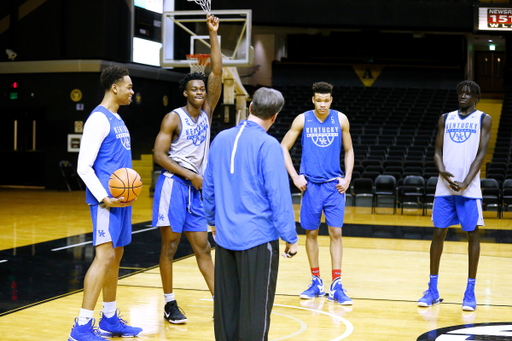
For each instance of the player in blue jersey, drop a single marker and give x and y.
(322, 183)
(105, 147)
(461, 145)
(181, 148)
(247, 202)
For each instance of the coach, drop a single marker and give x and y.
(247, 202)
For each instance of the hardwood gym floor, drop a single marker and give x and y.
(45, 251)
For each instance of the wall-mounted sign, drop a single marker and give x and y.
(74, 142)
(494, 19)
(79, 126)
(76, 95)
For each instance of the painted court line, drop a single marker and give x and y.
(350, 327)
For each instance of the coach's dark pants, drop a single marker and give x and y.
(245, 286)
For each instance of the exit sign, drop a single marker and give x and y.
(14, 95)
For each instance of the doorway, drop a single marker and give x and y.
(22, 146)
(490, 69)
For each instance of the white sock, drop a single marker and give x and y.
(169, 297)
(109, 309)
(85, 316)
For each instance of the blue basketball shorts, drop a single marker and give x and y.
(178, 204)
(455, 209)
(111, 224)
(322, 197)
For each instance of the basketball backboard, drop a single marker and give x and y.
(186, 32)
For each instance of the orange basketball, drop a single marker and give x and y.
(125, 182)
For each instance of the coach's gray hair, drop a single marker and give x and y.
(266, 103)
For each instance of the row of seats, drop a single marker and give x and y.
(392, 124)
(385, 123)
(414, 190)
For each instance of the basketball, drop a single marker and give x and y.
(125, 182)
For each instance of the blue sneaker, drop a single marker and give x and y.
(87, 332)
(116, 326)
(469, 301)
(316, 289)
(337, 293)
(429, 298)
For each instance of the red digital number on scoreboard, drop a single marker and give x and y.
(499, 16)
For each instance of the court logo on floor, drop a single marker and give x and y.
(496, 331)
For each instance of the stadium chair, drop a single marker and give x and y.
(412, 191)
(366, 163)
(493, 169)
(411, 170)
(491, 195)
(363, 188)
(359, 169)
(415, 155)
(396, 155)
(413, 163)
(385, 186)
(70, 176)
(396, 175)
(398, 169)
(496, 176)
(370, 175)
(506, 195)
(372, 168)
(386, 140)
(430, 190)
(388, 163)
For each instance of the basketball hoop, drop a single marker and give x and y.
(198, 62)
(206, 5)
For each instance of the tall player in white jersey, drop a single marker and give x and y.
(322, 183)
(461, 145)
(181, 148)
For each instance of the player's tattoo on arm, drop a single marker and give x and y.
(214, 90)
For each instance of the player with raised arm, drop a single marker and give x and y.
(322, 183)
(461, 144)
(181, 148)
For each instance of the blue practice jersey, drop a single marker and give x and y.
(115, 152)
(321, 148)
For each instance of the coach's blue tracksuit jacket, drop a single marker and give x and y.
(246, 191)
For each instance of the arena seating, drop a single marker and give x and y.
(393, 129)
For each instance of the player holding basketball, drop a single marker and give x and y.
(322, 183)
(181, 148)
(105, 147)
(461, 145)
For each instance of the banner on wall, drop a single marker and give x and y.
(368, 73)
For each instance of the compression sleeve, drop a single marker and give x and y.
(96, 129)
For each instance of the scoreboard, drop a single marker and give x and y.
(494, 19)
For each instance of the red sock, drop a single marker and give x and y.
(336, 274)
(315, 272)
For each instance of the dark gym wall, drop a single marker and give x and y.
(63, 29)
(370, 14)
(52, 94)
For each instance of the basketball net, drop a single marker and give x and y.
(206, 5)
(198, 62)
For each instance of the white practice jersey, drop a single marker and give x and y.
(190, 149)
(460, 147)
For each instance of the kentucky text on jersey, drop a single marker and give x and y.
(197, 134)
(323, 130)
(463, 125)
(319, 134)
(121, 131)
